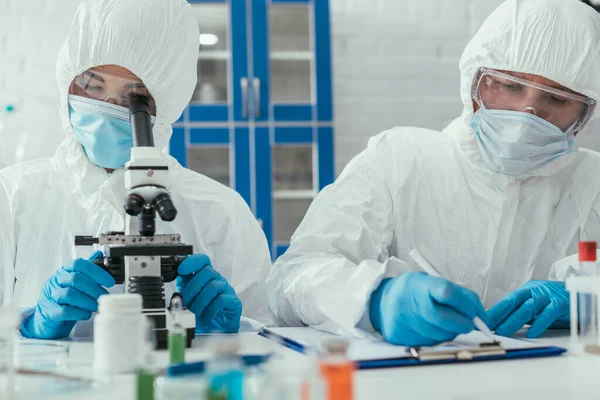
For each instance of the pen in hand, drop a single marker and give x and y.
(426, 266)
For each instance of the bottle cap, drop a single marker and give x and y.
(121, 303)
(338, 346)
(587, 251)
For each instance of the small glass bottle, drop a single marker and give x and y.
(9, 321)
(225, 372)
(315, 386)
(338, 370)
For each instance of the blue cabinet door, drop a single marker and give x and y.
(284, 60)
(221, 153)
(221, 92)
(261, 116)
(293, 162)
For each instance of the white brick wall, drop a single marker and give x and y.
(395, 63)
(31, 32)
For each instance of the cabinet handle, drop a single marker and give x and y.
(256, 89)
(244, 85)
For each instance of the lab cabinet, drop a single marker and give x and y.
(260, 119)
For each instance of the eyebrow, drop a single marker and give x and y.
(552, 85)
(134, 85)
(94, 76)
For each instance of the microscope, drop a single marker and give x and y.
(145, 261)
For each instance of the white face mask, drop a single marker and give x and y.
(516, 143)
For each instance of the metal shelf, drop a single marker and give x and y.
(291, 55)
(294, 194)
(214, 55)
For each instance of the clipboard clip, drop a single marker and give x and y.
(459, 354)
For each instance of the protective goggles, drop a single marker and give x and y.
(113, 87)
(496, 90)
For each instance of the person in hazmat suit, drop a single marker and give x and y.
(117, 49)
(491, 202)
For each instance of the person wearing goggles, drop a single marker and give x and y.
(524, 121)
(492, 202)
(117, 50)
(99, 100)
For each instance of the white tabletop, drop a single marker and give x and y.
(565, 377)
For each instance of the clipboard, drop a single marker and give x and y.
(444, 354)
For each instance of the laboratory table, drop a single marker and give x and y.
(565, 377)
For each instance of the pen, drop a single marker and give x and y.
(430, 270)
(198, 367)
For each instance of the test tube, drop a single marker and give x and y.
(588, 331)
(177, 334)
(146, 374)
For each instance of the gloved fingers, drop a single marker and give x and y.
(96, 255)
(446, 318)
(505, 307)
(408, 337)
(71, 313)
(475, 301)
(209, 292)
(220, 303)
(221, 318)
(457, 297)
(521, 316)
(59, 313)
(545, 319)
(80, 282)
(196, 284)
(181, 282)
(91, 270)
(193, 264)
(436, 331)
(73, 297)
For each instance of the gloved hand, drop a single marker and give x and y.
(68, 296)
(208, 295)
(543, 304)
(416, 309)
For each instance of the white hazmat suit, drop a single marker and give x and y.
(419, 188)
(45, 203)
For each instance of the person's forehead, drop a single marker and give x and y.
(541, 80)
(114, 72)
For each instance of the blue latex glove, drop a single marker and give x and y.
(416, 309)
(68, 296)
(543, 304)
(208, 295)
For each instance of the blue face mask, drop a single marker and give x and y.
(516, 143)
(103, 129)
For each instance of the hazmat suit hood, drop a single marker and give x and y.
(556, 39)
(156, 40)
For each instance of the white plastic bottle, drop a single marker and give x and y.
(119, 334)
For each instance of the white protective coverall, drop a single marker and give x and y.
(45, 203)
(431, 190)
